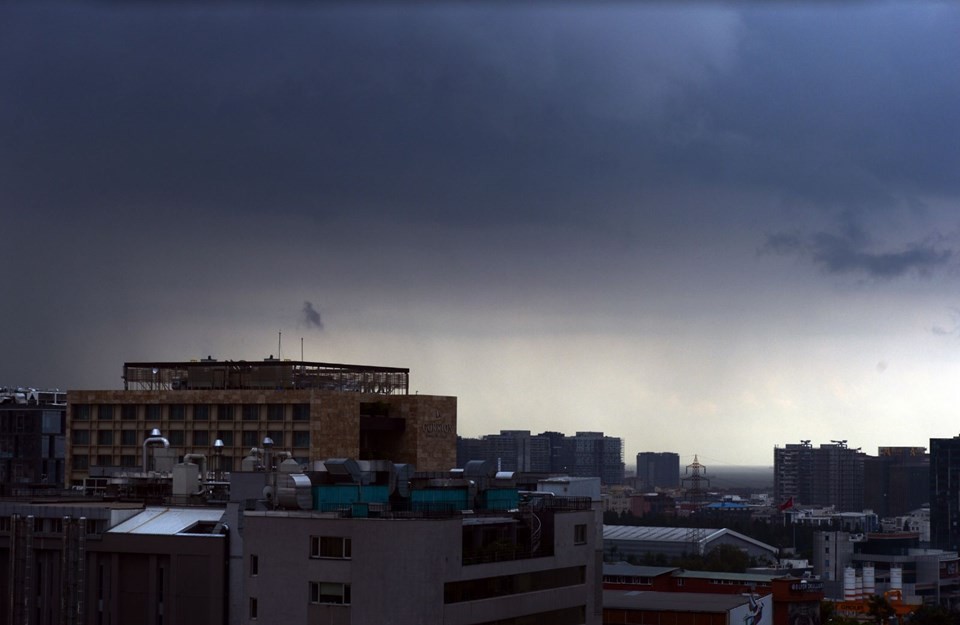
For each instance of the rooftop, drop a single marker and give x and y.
(676, 535)
(170, 521)
(636, 570)
(672, 601)
(267, 374)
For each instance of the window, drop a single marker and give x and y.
(128, 460)
(201, 438)
(249, 439)
(226, 436)
(225, 412)
(81, 412)
(175, 437)
(254, 565)
(81, 461)
(275, 412)
(105, 412)
(330, 547)
(201, 412)
(105, 437)
(153, 412)
(301, 412)
(580, 534)
(104, 460)
(277, 437)
(301, 439)
(80, 437)
(128, 412)
(253, 607)
(128, 437)
(177, 412)
(330, 592)
(251, 412)
(502, 585)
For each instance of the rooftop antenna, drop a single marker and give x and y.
(279, 350)
(301, 349)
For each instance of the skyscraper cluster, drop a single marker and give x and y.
(587, 454)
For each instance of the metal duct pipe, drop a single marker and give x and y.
(153, 440)
(29, 592)
(81, 575)
(66, 593)
(203, 463)
(15, 532)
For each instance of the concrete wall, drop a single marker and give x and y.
(398, 570)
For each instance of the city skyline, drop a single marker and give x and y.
(707, 228)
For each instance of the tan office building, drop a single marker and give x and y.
(313, 410)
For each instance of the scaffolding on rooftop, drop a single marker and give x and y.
(269, 374)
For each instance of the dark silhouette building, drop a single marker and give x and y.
(945, 493)
(829, 475)
(896, 481)
(588, 454)
(658, 469)
(32, 430)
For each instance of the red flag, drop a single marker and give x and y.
(786, 504)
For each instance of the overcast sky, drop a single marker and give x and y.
(708, 228)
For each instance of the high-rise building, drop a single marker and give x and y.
(829, 475)
(896, 481)
(313, 410)
(510, 450)
(792, 466)
(658, 469)
(945, 493)
(598, 455)
(32, 428)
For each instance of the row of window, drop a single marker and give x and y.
(200, 438)
(490, 587)
(49, 525)
(195, 412)
(81, 462)
(336, 593)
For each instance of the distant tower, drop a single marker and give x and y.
(695, 484)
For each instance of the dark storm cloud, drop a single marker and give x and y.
(850, 251)
(311, 317)
(453, 115)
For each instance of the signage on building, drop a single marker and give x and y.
(436, 427)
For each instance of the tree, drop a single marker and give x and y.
(830, 616)
(880, 609)
(726, 559)
(933, 615)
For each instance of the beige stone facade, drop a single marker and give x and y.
(107, 428)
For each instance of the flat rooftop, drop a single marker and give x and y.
(671, 601)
